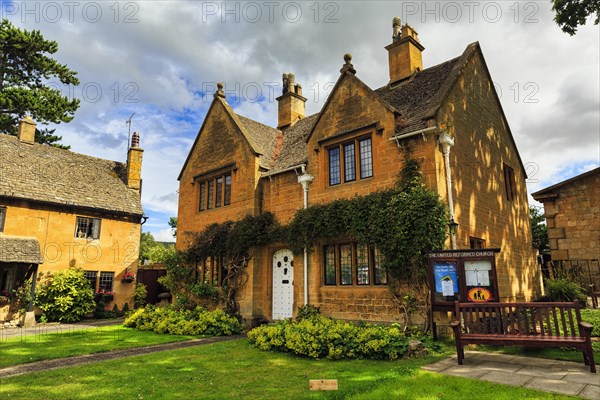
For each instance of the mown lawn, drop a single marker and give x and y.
(46, 346)
(235, 370)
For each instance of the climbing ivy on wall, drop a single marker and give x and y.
(231, 242)
(403, 222)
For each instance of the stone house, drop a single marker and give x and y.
(353, 146)
(59, 209)
(572, 210)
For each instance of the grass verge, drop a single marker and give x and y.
(46, 346)
(235, 370)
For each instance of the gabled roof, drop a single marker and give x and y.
(417, 98)
(549, 191)
(260, 137)
(17, 249)
(47, 174)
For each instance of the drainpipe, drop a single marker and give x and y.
(305, 180)
(447, 141)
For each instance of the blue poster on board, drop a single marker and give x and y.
(446, 279)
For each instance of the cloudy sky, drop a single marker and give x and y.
(161, 60)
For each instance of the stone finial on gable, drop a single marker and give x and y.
(348, 65)
(219, 92)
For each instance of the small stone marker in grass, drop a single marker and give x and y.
(323, 384)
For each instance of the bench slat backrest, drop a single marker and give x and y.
(546, 319)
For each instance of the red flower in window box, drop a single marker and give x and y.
(128, 277)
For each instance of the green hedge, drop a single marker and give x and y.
(198, 321)
(321, 337)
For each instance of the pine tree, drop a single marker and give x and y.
(26, 72)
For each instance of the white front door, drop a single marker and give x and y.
(283, 284)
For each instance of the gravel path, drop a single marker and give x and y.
(90, 358)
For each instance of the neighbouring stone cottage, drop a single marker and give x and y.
(572, 210)
(59, 209)
(353, 146)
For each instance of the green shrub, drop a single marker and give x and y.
(140, 295)
(307, 311)
(563, 290)
(317, 336)
(195, 322)
(65, 296)
(205, 291)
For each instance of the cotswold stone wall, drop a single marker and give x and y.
(573, 219)
(483, 146)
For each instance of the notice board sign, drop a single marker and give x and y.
(462, 275)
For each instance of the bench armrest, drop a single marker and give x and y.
(586, 328)
(455, 325)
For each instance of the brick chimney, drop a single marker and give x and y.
(134, 163)
(404, 53)
(291, 103)
(26, 131)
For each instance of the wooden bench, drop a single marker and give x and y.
(522, 324)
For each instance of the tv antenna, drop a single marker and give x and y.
(128, 122)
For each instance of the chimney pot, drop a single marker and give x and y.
(135, 140)
(396, 27)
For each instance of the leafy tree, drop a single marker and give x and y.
(153, 251)
(173, 225)
(25, 87)
(539, 229)
(147, 242)
(572, 13)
